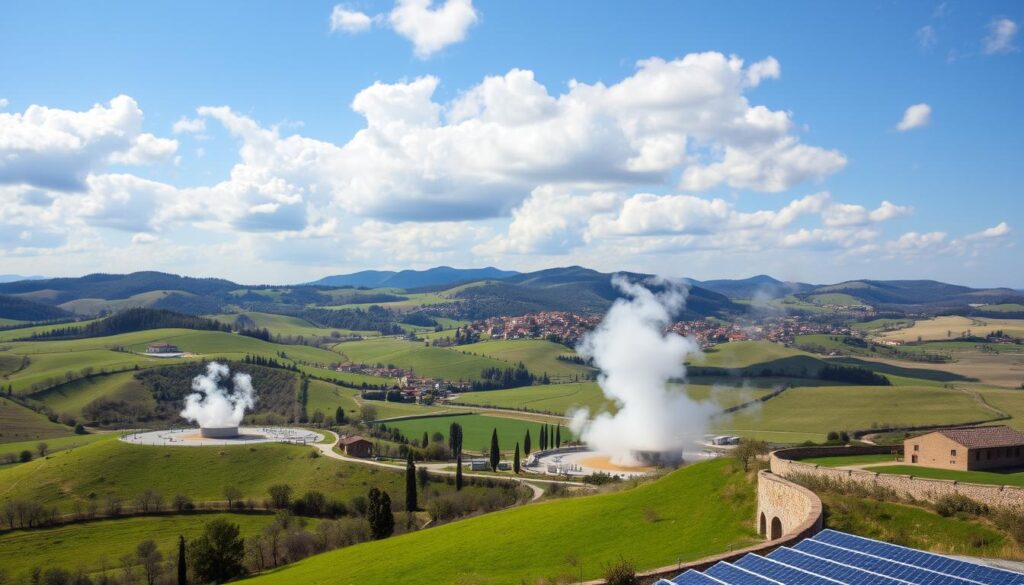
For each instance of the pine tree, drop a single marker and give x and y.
(515, 460)
(182, 568)
(495, 451)
(410, 484)
(458, 472)
(558, 436)
(526, 443)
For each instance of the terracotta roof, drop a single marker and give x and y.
(984, 437)
(352, 439)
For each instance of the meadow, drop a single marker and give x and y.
(288, 326)
(433, 362)
(951, 327)
(847, 460)
(19, 424)
(71, 397)
(91, 472)
(97, 545)
(477, 429)
(55, 444)
(540, 357)
(693, 512)
(809, 413)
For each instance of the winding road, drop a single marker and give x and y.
(327, 449)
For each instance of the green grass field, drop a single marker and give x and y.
(477, 429)
(434, 362)
(840, 299)
(95, 306)
(18, 424)
(346, 377)
(562, 398)
(288, 326)
(92, 546)
(55, 444)
(881, 324)
(846, 460)
(327, 397)
(540, 356)
(1015, 478)
(693, 512)
(70, 398)
(115, 467)
(1003, 308)
(742, 354)
(24, 332)
(809, 413)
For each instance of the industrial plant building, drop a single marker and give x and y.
(966, 448)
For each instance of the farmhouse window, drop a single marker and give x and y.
(916, 448)
(952, 452)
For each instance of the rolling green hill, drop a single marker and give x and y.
(477, 429)
(115, 467)
(93, 546)
(677, 518)
(434, 362)
(540, 356)
(18, 423)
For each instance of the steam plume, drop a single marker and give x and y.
(211, 405)
(637, 360)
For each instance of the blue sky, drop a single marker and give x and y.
(763, 139)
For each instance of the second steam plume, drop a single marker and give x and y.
(212, 405)
(637, 360)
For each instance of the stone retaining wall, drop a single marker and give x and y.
(784, 463)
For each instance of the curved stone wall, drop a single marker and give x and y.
(784, 463)
(785, 510)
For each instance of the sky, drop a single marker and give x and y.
(274, 142)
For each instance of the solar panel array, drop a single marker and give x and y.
(832, 557)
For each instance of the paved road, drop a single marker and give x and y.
(327, 449)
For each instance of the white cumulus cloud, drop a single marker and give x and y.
(916, 116)
(186, 125)
(431, 28)
(1002, 32)
(350, 21)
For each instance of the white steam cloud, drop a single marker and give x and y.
(637, 360)
(212, 406)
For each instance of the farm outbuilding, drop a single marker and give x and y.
(967, 448)
(356, 446)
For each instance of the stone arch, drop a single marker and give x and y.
(762, 527)
(776, 528)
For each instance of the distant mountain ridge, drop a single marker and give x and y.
(17, 277)
(760, 286)
(409, 279)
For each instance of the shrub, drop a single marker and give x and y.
(25, 456)
(954, 504)
(621, 573)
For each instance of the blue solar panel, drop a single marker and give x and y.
(830, 569)
(781, 572)
(728, 573)
(971, 571)
(882, 566)
(692, 577)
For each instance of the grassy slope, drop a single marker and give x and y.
(56, 444)
(18, 423)
(989, 477)
(51, 359)
(23, 332)
(561, 398)
(845, 460)
(679, 517)
(951, 327)
(434, 362)
(811, 412)
(539, 355)
(74, 396)
(199, 472)
(92, 544)
(741, 354)
(912, 526)
(287, 325)
(477, 429)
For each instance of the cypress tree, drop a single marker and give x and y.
(526, 443)
(410, 484)
(558, 436)
(515, 460)
(458, 472)
(378, 513)
(426, 440)
(495, 451)
(339, 416)
(543, 443)
(182, 569)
